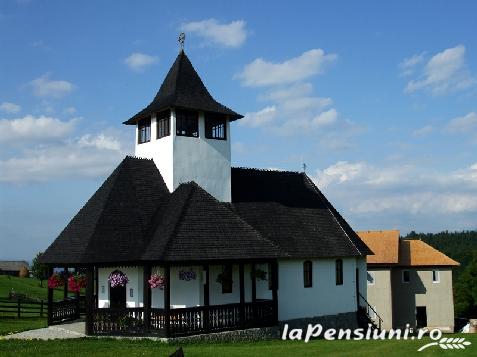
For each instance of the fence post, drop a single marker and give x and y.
(18, 307)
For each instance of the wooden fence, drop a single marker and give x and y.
(23, 308)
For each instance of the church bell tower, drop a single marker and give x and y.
(186, 132)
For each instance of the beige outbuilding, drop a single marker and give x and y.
(409, 282)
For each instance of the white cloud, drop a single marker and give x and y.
(263, 73)
(444, 72)
(300, 104)
(140, 61)
(86, 157)
(291, 91)
(408, 65)
(340, 172)
(44, 87)
(260, 118)
(70, 110)
(464, 124)
(421, 132)
(401, 189)
(325, 118)
(232, 34)
(10, 108)
(31, 128)
(100, 141)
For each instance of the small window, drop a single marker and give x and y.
(187, 123)
(435, 276)
(405, 276)
(215, 127)
(339, 272)
(131, 292)
(226, 279)
(163, 124)
(103, 290)
(144, 131)
(371, 277)
(307, 274)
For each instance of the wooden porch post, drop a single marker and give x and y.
(242, 294)
(206, 298)
(77, 301)
(167, 299)
(275, 290)
(96, 287)
(146, 292)
(254, 294)
(65, 288)
(89, 300)
(50, 298)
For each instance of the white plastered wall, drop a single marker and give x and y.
(183, 159)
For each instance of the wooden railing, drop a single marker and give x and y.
(118, 321)
(183, 321)
(66, 310)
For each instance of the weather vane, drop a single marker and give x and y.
(304, 167)
(182, 40)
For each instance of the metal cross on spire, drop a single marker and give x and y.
(182, 40)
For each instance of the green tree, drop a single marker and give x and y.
(466, 290)
(39, 270)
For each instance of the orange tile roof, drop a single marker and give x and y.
(419, 253)
(389, 249)
(384, 244)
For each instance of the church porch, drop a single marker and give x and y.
(193, 298)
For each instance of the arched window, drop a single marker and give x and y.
(339, 272)
(307, 274)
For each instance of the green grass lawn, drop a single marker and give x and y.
(113, 348)
(31, 288)
(13, 325)
(28, 286)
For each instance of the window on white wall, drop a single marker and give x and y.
(435, 276)
(339, 272)
(144, 131)
(406, 276)
(307, 274)
(163, 124)
(131, 292)
(371, 277)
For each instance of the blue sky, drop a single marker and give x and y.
(379, 100)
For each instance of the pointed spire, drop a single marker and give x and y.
(183, 88)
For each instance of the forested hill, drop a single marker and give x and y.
(457, 245)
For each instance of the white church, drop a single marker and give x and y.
(177, 242)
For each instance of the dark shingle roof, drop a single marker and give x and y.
(111, 225)
(183, 88)
(204, 229)
(133, 217)
(291, 211)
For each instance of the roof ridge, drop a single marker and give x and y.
(333, 211)
(114, 175)
(177, 219)
(268, 170)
